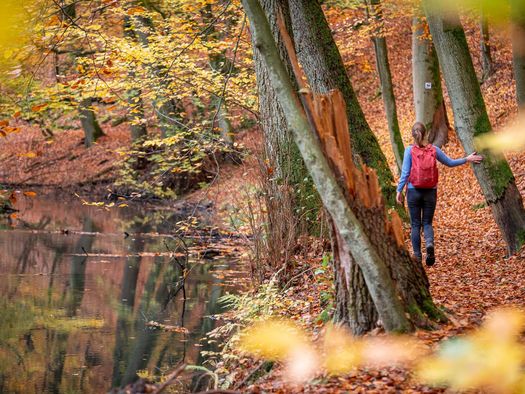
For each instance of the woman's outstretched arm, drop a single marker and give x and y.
(443, 158)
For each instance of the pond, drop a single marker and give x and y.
(80, 286)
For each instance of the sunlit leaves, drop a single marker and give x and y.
(490, 357)
(511, 138)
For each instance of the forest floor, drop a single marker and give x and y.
(472, 273)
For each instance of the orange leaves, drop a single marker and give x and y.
(135, 10)
(38, 108)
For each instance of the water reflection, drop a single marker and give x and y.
(76, 296)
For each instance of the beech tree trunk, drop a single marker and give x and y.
(219, 62)
(166, 108)
(518, 49)
(387, 89)
(375, 272)
(88, 120)
(293, 204)
(134, 95)
(486, 56)
(322, 63)
(428, 93)
(470, 116)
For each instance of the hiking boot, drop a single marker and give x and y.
(419, 259)
(431, 258)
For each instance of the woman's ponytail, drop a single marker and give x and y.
(419, 132)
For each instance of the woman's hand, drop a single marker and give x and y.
(474, 158)
(400, 198)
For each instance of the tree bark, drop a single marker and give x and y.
(470, 116)
(322, 63)
(486, 56)
(518, 49)
(293, 203)
(325, 71)
(166, 108)
(88, 120)
(375, 272)
(136, 106)
(220, 63)
(428, 93)
(387, 89)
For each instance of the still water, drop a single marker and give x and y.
(77, 294)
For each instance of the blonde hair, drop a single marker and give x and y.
(419, 132)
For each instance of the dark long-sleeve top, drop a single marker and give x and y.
(407, 165)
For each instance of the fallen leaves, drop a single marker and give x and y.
(167, 327)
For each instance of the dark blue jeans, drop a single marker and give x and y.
(421, 205)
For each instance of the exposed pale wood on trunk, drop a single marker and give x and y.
(322, 63)
(375, 272)
(291, 193)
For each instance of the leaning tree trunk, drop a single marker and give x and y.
(518, 49)
(378, 280)
(486, 56)
(293, 205)
(325, 70)
(428, 93)
(92, 130)
(470, 116)
(387, 89)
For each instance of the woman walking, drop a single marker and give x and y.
(420, 172)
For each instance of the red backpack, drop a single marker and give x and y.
(424, 173)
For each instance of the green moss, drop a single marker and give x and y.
(521, 238)
(500, 174)
(482, 123)
(364, 142)
(433, 311)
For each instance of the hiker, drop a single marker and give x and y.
(420, 172)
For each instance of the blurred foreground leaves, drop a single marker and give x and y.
(489, 358)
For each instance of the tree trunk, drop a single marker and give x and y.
(471, 119)
(88, 120)
(486, 56)
(225, 126)
(293, 204)
(378, 280)
(518, 49)
(325, 70)
(92, 130)
(354, 306)
(136, 106)
(428, 93)
(387, 89)
(220, 63)
(166, 108)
